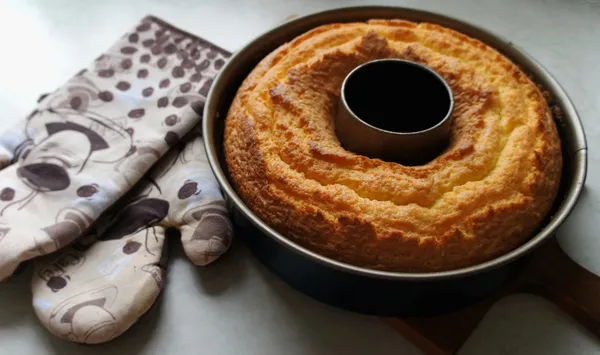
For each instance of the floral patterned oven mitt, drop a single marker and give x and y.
(98, 287)
(90, 141)
(81, 150)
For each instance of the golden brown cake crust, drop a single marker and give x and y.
(484, 196)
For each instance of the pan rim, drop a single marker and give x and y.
(571, 117)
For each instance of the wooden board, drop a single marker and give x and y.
(550, 273)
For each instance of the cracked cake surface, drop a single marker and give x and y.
(483, 196)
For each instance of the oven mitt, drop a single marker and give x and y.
(95, 289)
(90, 141)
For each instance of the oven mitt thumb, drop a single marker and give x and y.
(95, 289)
(90, 141)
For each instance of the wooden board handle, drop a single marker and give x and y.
(550, 273)
(553, 275)
(444, 334)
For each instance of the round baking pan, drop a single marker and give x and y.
(374, 291)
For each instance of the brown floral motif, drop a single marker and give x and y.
(171, 120)
(131, 247)
(196, 77)
(211, 54)
(7, 194)
(145, 58)
(162, 62)
(156, 50)
(133, 38)
(56, 283)
(178, 72)
(188, 64)
(106, 73)
(188, 189)
(126, 63)
(142, 73)
(206, 87)
(128, 50)
(123, 85)
(171, 138)
(147, 91)
(163, 102)
(203, 65)
(148, 42)
(170, 48)
(75, 102)
(137, 113)
(219, 63)
(185, 87)
(164, 83)
(106, 96)
(162, 40)
(195, 53)
(44, 176)
(143, 27)
(160, 32)
(179, 101)
(87, 190)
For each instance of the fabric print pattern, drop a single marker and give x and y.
(90, 141)
(98, 287)
(69, 317)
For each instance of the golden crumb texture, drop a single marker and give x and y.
(484, 196)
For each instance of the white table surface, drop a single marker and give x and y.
(237, 306)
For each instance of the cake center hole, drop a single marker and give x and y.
(397, 96)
